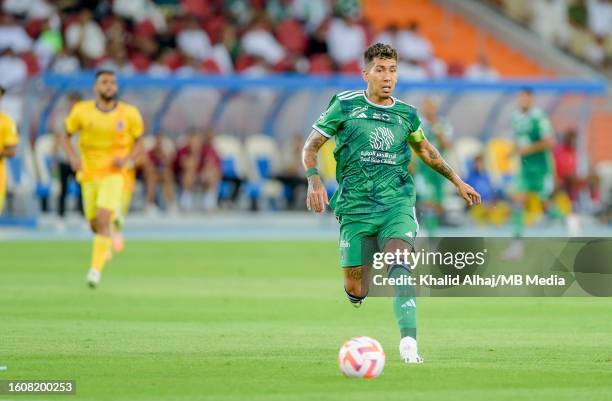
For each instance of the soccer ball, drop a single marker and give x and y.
(361, 357)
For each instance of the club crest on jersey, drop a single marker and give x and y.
(120, 125)
(359, 111)
(381, 138)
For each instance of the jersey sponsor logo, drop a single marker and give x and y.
(381, 138)
(120, 126)
(381, 116)
(345, 244)
(322, 116)
(359, 111)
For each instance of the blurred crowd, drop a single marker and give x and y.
(581, 27)
(160, 37)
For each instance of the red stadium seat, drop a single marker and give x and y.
(320, 64)
(140, 61)
(351, 68)
(31, 62)
(34, 28)
(173, 60)
(145, 29)
(214, 27)
(243, 62)
(291, 35)
(210, 66)
(196, 8)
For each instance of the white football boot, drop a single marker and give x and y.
(408, 351)
(93, 278)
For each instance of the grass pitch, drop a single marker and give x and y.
(264, 320)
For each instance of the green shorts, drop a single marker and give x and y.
(540, 184)
(355, 229)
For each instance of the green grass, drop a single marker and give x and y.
(264, 321)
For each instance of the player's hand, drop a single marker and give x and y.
(468, 194)
(317, 195)
(75, 164)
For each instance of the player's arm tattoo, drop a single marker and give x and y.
(433, 159)
(313, 143)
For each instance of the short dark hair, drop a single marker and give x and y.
(379, 50)
(527, 90)
(103, 72)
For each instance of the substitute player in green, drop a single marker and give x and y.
(430, 184)
(534, 140)
(375, 197)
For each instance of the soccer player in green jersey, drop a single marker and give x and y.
(430, 184)
(534, 139)
(375, 197)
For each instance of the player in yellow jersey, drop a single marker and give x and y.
(110, 140)
(8, 147)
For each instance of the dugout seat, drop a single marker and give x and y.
(500, 162)
(463, 152)
(264, 162)
(233, 162)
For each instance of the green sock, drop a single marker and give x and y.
(404, 302)
(518, 221)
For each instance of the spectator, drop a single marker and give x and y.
(565, 157)
(482, 70)
(388, 36)
(139, 11)
(157, 169)
(12, 35)
(86, 37)
(65, 62)
(292, 175)
(549, 20)
(411, 70)
(193, 41)
(48, 44)
(118, 61)
(259, 41)
(411, 45)
(600, 17)
(346, 40)
(312, 12)
(317, 42)
(479, 179)
(13, 70)
(196, 165)
(159, 67)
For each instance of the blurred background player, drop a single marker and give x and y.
(430, 184)
(375, 199)
(8, 147)
(535, 181)
(110, 141)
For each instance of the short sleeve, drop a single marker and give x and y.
(329, 122)
(73, 123)
(11, 138)
(544, 126)
(136, 123)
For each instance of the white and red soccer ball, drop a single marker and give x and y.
(361, 357)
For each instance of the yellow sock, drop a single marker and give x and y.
(101, 247)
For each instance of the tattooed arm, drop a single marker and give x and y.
(430, 155)
(317, 194)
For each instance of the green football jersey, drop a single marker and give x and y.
(372, 152)
(529, 128)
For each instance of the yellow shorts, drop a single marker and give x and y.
(102, 193)
(129, 182)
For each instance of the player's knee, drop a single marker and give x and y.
(103, 222)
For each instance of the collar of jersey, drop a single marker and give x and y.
(378, 105)
(106, 111)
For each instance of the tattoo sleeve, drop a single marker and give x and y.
(433, 159)
(309, 154)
